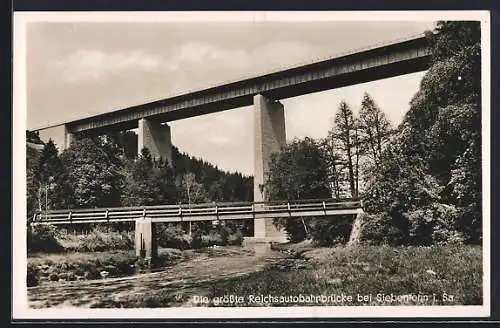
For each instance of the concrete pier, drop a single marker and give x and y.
(59, 134)
(270, 137)
(156, 137)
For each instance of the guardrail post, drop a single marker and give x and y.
(106, 216)
(217, 215)
(324, 207)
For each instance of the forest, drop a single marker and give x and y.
(420, 181)
(103, 171)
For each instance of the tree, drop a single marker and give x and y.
(374, 128)
(345, 131)
(51, 177)
(192, 191)
(33, 202)
(299, 171)
(91, 174)
(434, 160)
(164, 176)
(140, 184)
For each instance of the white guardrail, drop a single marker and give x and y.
(199, 212)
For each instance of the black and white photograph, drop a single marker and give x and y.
(251, 164)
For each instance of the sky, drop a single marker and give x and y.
(79, 69)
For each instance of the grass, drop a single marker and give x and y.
(380, 275)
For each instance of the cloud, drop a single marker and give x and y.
(200, 57)
(277, 54)
(90, 64)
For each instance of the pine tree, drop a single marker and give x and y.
(345, 130)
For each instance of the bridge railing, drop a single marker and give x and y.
(178, 212)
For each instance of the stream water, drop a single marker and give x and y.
(192, 276)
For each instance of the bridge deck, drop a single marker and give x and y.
(360, 66)
(200, 212)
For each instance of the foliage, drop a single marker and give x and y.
(299, 171)
(383, 229)
(43, 238)
(92, 175)
(331, 230)
(374, 127)
(140, 185)
(172, 236)
(219, 185)
(33, 201)
(98, 240)
(192, 192)
(33, 137)
(50, 174)
(434, 160)
(345, 131)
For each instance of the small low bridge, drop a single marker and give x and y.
(146, 216)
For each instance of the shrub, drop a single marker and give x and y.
(429, 225)
(54, 277)
(213, 238)
(235, 239)
(98, 240)
(32, 276)
(294, 228)
(197, 240)
(43, 238)
(447, 230)
(380, 229)
(331, 231)
(172, 236)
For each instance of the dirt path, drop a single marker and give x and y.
(181, 281)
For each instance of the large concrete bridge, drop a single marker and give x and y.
(264, 92)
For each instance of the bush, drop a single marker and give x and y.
(43, 238)
(331, 231)
(224, 236)
(197, 240)
(235, 239)
(294, 228)
(380, 229)
(98, 240)
(172, 236)
(435, 224)
(213, 239)
(32, 276)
